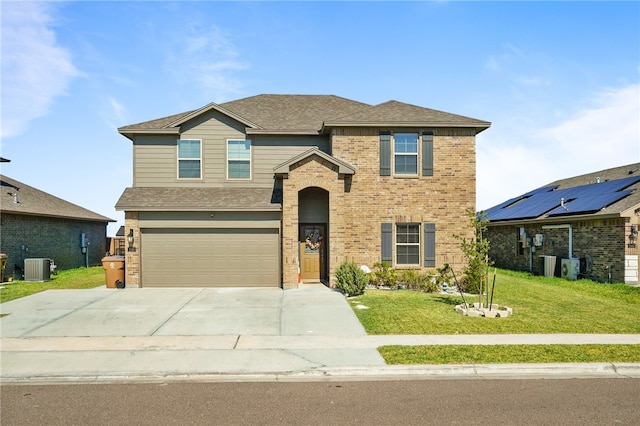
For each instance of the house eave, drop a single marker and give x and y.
(554, 220)
(479, 127)
(275, 208)
(130, 134)
(305, 132)
(57, 216)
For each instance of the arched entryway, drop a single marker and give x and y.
(313, 234)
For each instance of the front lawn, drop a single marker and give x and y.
(540, 305)
(505, 354)
(69, 279)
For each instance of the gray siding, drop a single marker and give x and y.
(155, 157)
(154, 160)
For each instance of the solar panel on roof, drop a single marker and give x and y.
(590, 204)
(579, 199)
(498, 210)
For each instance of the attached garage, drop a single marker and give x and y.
(210, 257)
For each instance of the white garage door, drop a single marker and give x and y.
(210, 258)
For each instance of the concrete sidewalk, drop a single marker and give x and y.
(309, 333)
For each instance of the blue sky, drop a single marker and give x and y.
(560, 81)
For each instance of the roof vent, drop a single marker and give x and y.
(598, 179)
(15, 198)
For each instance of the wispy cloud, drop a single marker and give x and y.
(604, 134)
(207, 58)
(35, 68)
(115, 114)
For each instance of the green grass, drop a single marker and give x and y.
(69, 279)
(459, 354)
(540, 305)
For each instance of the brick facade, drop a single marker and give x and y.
(600, 243)
(50, 237)
(359, 204)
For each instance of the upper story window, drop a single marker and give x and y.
(401, 154)
(239, 159)
(189, 159)
(405, 153)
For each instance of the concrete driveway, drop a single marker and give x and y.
(310, 333)
(167, 331)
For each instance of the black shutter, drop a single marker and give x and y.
(429, 244)
(385, 153)
(427, 153)
(387, 243)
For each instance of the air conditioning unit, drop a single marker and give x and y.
(570, 269)
(37, 269)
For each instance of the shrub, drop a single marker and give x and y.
(415, 280)
(384, 275)
(350, 279)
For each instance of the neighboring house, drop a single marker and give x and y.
(34, 224)
(272, 190)
(592, 219)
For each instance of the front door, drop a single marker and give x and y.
(312, 252)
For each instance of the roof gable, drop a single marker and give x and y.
(342, 166)
(19, 198)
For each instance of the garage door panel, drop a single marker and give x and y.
(210, 258)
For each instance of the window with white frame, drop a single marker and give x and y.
(407, 244)
(239, 159)
(405, 153)
(189, 159)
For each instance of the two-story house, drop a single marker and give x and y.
(272, 190)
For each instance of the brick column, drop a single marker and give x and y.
(132, 259)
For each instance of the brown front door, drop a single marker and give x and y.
(312, 252)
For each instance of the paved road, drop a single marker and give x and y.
(438, 402)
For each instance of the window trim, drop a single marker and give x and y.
(394, 154)
(419, 244)
(178, 159)
(230, 159)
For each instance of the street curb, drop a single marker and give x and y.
(515, 371)
(371, 373)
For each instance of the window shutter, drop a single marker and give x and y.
(427, 153)
(387, 243)
(429, 244)
(385, 153)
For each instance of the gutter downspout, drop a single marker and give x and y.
(564, 226)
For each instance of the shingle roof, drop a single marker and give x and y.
(311, 113)
(606, 192)
(199, 199)
(394, 113)
(293, 112)
(19, 198)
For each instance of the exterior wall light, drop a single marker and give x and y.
(130, 241)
